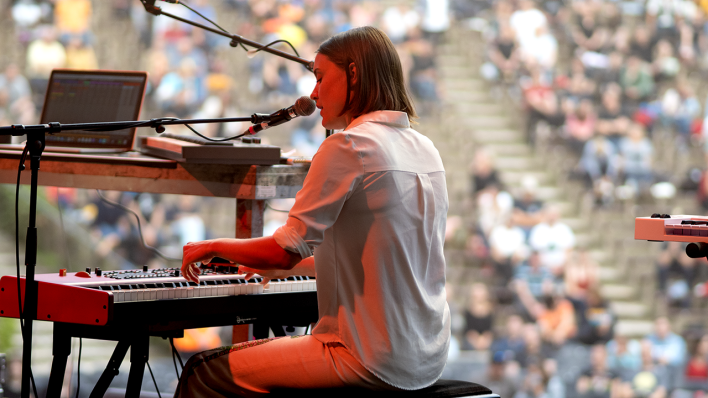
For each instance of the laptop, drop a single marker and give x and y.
(85, 96)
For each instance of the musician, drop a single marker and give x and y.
(374, 206)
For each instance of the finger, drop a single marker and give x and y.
(191, 276)
(206, 262)
(248, 276)
(265, 281)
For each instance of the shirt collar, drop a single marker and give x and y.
(391, 118)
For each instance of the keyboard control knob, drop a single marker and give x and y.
(176, 272)
(98, 272)
(88, 270)
(145, 268)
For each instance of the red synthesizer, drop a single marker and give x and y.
(676, 228)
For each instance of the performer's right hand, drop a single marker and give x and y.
(193, 253)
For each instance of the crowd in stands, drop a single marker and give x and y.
(610, 81)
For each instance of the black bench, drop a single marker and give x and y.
(441, 389)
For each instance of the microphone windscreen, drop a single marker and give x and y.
(304, 106)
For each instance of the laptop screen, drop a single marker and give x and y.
(75, 96)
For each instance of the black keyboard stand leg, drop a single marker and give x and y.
(138, 358)
(61, 350)
(111, 370)
(260, 330)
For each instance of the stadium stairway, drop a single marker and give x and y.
(475, 116)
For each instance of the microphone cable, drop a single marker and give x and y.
(17, 258)
(140, 229)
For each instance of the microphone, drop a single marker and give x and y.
(304, 106)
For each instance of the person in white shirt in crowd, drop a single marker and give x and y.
(526, 21)
(507, 243)
(374, 204)
(553, 239)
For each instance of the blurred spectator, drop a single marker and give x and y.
(624, 356)
(597, 381)
(553, 239)
(527, 207)
(180, 92)
(667, 348)
(80, 55)
(45, 54)
(526, 21)
(493, 209)
(533, 384)
(504, 54)
(599, 165)
(642, 45)
(531, 283)
(636, 81)
(397, 20)
(665, 66)
(484, 175)
(580, 125)
(478, 319)
(697, 366)
(588, 35)
(556, 319)
(675, 273)
(16, 105)
(613, 118)
(680, 108)
(511, 344)
(540, 50)
(507, 246)
(652, 381)
(435, 19)
(637, 153)
(581, 275)
(73, 18)
(542, 104)
(499, 379)
(595, 319)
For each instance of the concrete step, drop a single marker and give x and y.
(466, 83)
(608, 274)
(629, 309)
(576, 224)
(451, 59)
(513, 178)
(487, 122)
(613, 292)
(503, 163)
(483, 108)
(633, 328)
(468, 96)
(584, 239)
(455, 71)
(489, 136)
(549, 193)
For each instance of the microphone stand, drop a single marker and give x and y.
(235, 39)
(35, 143)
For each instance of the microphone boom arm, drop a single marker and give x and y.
(235, 39)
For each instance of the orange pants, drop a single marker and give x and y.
(255, 368)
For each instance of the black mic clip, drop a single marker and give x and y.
(151, 7)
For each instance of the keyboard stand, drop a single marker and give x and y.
(137, 339)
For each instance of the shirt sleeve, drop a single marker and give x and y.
(335, 172)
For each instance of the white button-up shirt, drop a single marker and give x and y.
(374, 204)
